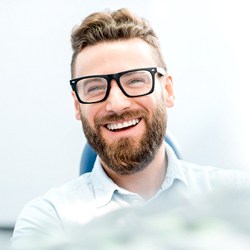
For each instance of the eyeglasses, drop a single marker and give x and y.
(133, 83)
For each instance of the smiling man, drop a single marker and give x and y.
(121, 90)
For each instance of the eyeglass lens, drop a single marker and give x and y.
(135, 83)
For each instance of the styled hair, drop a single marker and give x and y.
(111, 26)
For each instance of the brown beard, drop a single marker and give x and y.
(128, 155)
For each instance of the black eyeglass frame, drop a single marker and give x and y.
(116, 77)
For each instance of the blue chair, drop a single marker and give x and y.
(89, 155)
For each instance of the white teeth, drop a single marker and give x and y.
(126, 124)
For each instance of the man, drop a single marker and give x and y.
(121, 90)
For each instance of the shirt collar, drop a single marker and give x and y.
(174, 169)
(104, 187)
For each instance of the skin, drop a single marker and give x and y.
(113, 57)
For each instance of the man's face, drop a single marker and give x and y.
(125, 132)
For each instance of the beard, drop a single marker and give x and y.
(129, 155)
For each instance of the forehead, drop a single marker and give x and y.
(114, 56)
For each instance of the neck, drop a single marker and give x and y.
(146, 182)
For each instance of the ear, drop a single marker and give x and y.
(169, 92)
(77, 106)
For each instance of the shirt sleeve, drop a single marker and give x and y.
(37, 224)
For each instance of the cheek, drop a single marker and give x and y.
(89, 114)
(148, 103)
(161, 95)
(156, 97)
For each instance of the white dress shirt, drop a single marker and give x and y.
(95, 194)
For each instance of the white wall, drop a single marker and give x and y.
(206, 44)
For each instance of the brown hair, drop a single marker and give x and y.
(109, 26)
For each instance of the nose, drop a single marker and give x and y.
(117, 102)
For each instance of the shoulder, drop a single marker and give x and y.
(79, 189)
(200, 179)
(55, 209)
(210, 178)
(82, 184)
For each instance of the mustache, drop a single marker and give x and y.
(100, 121)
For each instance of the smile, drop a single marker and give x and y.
(122, 125)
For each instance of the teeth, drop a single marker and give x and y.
(123, 124)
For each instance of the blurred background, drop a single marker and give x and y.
(206, 46)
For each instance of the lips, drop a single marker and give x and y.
(122, 125)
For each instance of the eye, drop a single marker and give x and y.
(135, 81)
(95, 88)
